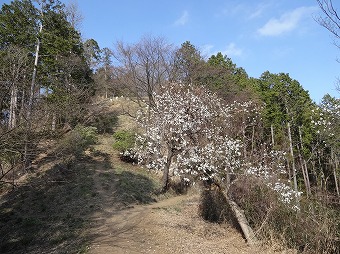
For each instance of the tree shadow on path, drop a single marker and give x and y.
(53, 212)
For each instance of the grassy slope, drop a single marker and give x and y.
(51, 210)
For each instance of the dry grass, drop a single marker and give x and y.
(314, 228)
(52, 208)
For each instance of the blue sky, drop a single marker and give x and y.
(273, 35)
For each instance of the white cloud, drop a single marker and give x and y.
(286, 23)
(244, 11)
(232, 10)
(259, 10)
(232, 50)
(183, 19)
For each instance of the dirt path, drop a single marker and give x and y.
(168, 226)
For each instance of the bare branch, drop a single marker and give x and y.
(331, 19)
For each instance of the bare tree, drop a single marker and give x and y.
(13, 72)
(74, 16)
(143, 67)
(331, 19)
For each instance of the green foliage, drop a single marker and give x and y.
(77, 141)
(330, 114)
(124, 140)
(188, 61)
(222, 76)
(222, 61)
(124, 143)
(92, 52)
(88, 134)
(105, 122)
(285, 101)
(18, 24)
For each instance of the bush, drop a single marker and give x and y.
(124, 143)
(124, 140)
(105, 122)
(77, 141)
(312, 229)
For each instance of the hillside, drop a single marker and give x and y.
(101, 205)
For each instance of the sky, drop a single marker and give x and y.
(265, 35)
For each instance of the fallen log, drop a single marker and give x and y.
(239, 216)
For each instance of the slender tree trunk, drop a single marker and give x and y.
(54, 120)
(34, 76)
(105, 80)
(307, 176)
(22, 106)
(272, 133)
(304, 166)
(303, 173)
(315, 174)
(166, 170)
(244, 142)
(13, 107)
(289, 171)
(335, 170)
(292, 155)
(252, 141)
(322, 175)
(30, 101)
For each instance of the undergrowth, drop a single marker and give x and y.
(314, 228)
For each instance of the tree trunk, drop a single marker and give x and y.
(335, 170)
(54, 120)
(304, 166)
(244, 143)
(238, 214)
(165, 181)
(105, 80)
(252, 141)
(34, 76)
(241, 219)
(30, 101)
(22, 106)
(292, 155)
(13, 107)
(272, 133)
(303, 173)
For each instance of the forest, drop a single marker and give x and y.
(262, 144)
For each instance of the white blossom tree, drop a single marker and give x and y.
(187, 134)
(190, 132)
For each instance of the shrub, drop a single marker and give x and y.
(311, 229)
(104, 122)
(77, 141)
(124, 143)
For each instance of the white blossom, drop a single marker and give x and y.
(196, 129)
